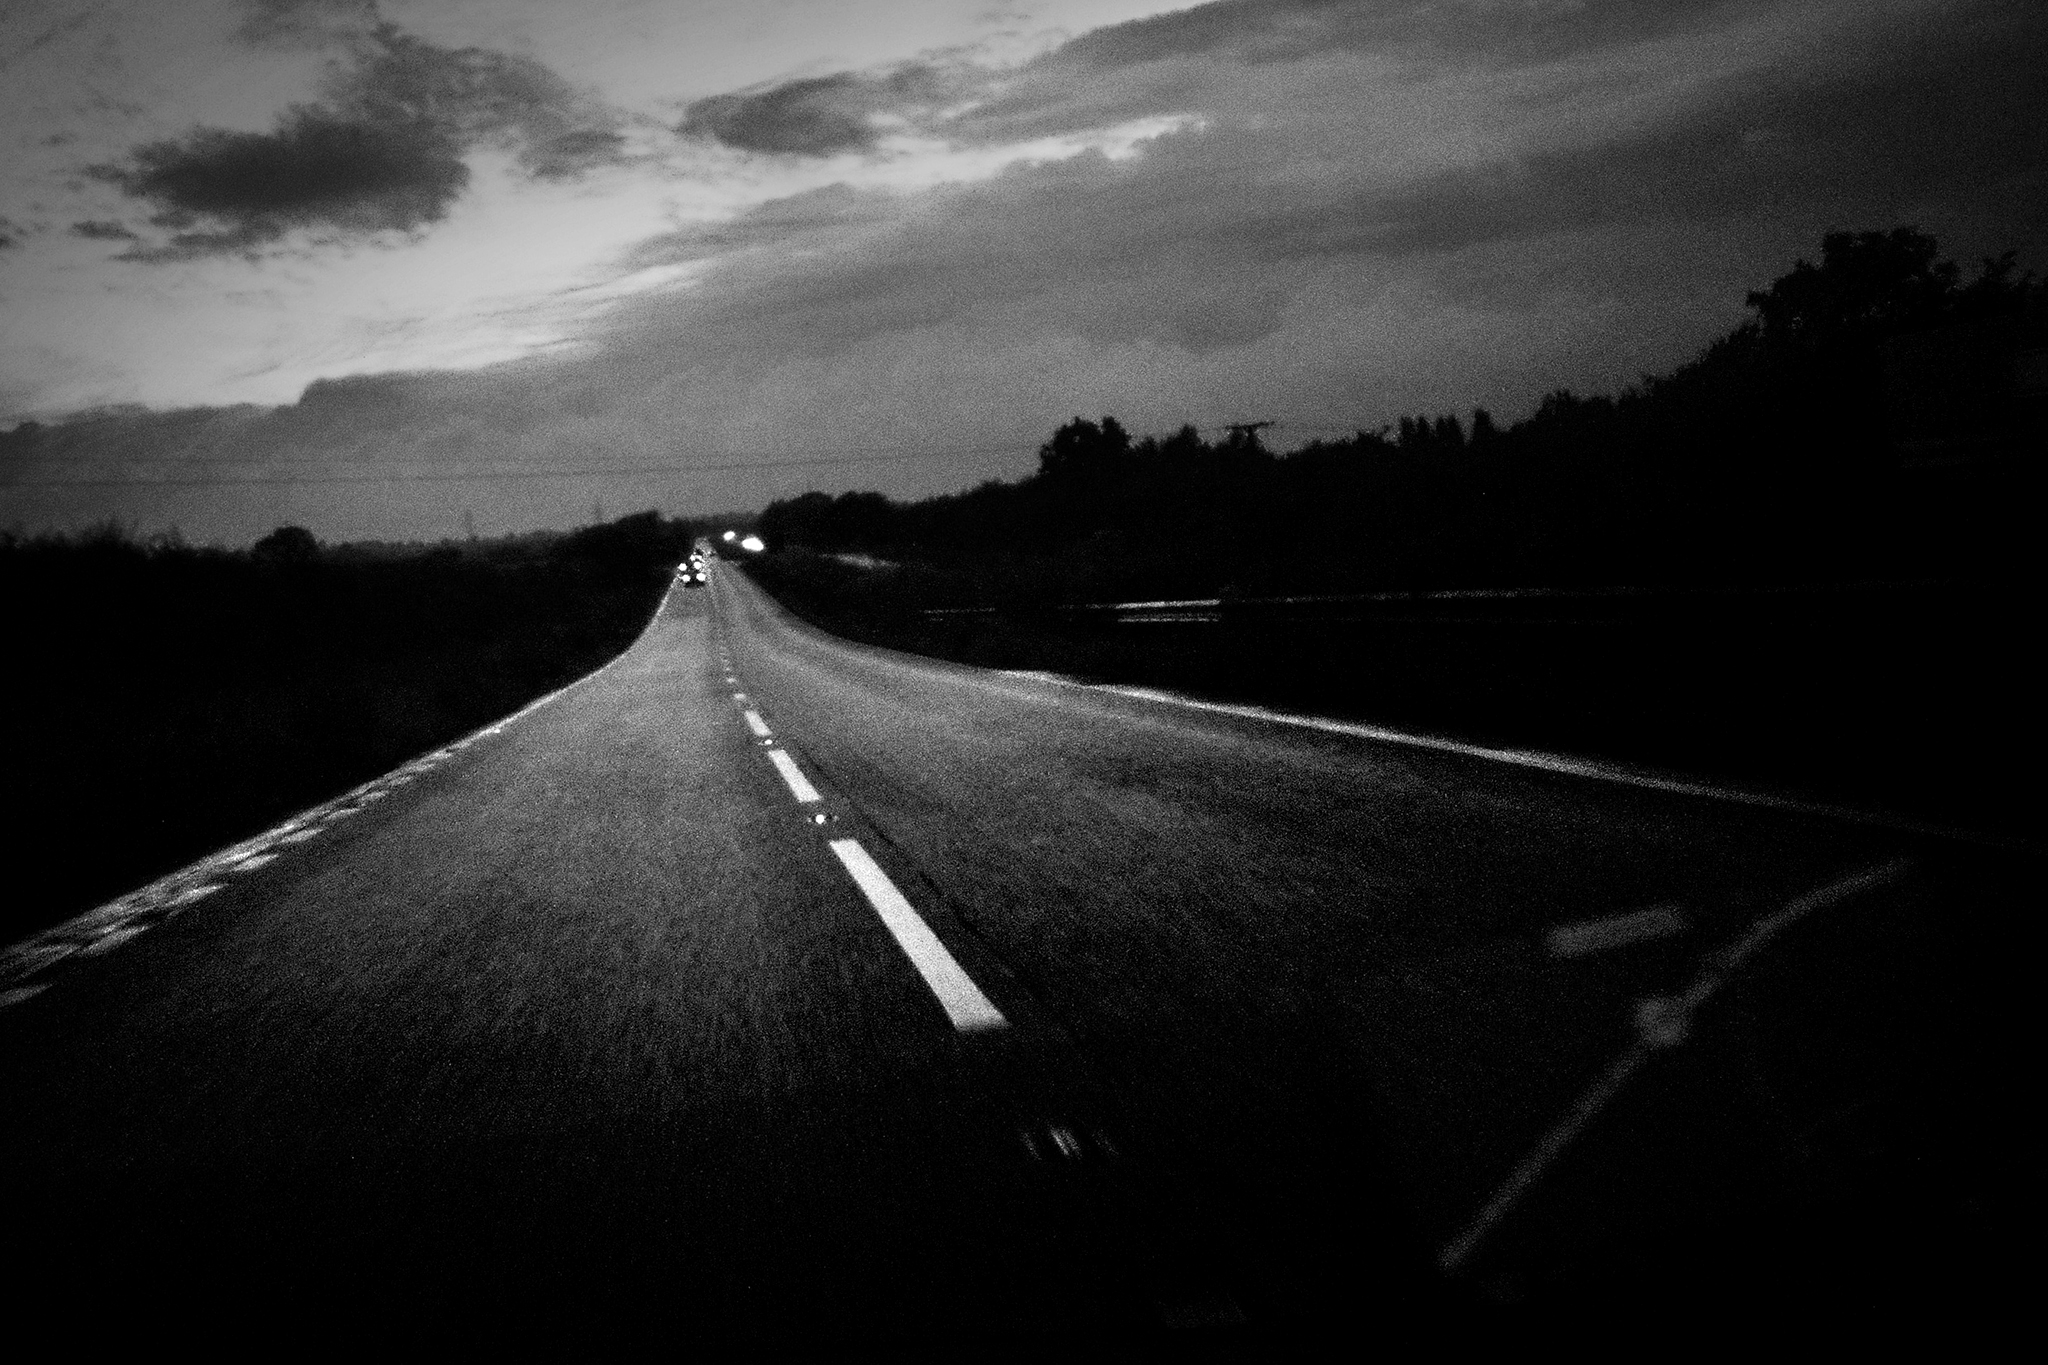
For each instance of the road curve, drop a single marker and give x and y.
(765, 985)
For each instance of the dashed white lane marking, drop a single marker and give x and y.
(962, 1000)
(799, 786)
(757, 725)
(21, 993)
(1615, 931)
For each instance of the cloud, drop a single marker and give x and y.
(102, 230)
(568, 154)
(1226, 58)
(818, 115)
(318, 170)
(477, 95)
(382, 151)
(814, 218)
(1927, 112)
(1287, 30)
(1514, 208)
(1085, 247)
(305, 23)
(801, 118)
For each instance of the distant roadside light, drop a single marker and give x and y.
(730, 535)
(753, 543)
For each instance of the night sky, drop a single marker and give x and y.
(372, 266)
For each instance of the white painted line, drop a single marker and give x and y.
(21, 993)
(757, 725)
(191, 894)
(963, 1001)
(1615, 931)
(33, 956)
(1544, 762)
(114, 940)
(251, 863)
(799, 786)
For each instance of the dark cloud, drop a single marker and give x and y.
(815, 116)
(382, 151)
(1085, 248)
(811, 117)
(1205, 57)
(305, 23)
(1222, 236)
(569, 154)
(10, 234)
(54, 33)
(1934, 112)
(477, 95)
(1285, 30)
(318, 170)
(103, 230)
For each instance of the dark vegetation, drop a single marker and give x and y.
(168, 700)
(1813, 542)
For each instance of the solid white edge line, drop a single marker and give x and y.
(799, 786)
(1537, 759)
(962, 1000)
(179, 889)
(757, 725)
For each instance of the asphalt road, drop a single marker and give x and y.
(1058, 1012)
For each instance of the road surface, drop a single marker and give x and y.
(763, 985)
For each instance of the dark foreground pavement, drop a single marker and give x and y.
(587, 1033)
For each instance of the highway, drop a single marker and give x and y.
(765, 986)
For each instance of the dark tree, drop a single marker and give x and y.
(1081, 447)
(1866, 283)
(287, 545)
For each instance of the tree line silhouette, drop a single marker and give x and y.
(182, 697)
(1861, 424)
